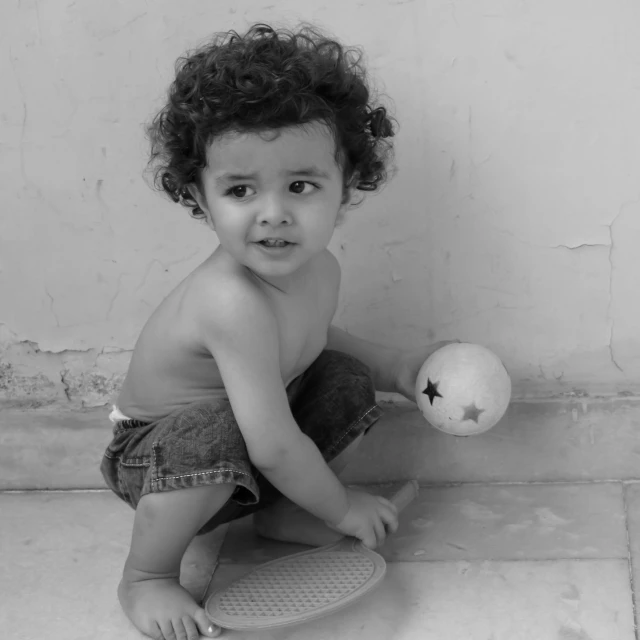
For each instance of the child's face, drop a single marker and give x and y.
(283, 184)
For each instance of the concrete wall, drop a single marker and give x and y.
(513, 220)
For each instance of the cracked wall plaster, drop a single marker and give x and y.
(30, 377)
(512, 220)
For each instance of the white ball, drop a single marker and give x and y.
(463, 389)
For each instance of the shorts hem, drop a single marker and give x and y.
(248, 497)
(358, 427)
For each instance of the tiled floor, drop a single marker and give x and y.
(470, 562)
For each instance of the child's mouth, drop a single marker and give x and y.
(278, 245)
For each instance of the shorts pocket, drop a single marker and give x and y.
(132, 474)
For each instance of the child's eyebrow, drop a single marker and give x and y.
(306, 171)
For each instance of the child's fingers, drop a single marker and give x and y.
(369, 539)
(388, 503)
(381, 532)
(389, 516)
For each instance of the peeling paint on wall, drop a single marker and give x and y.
(513, 220)
(31, 378)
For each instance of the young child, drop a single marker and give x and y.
(241, 397)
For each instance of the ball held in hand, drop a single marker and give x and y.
(463, 389)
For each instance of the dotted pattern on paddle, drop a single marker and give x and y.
(296, 587)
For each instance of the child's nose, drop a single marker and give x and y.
(275, 212)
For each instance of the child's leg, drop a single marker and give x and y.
(179, 473)
(150, 594)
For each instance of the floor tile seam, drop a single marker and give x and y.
(423, 485)
(625, 507)
(502, 483)
(477, 561)
(87, 490)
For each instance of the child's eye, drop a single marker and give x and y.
(303, 183)
(239, 191)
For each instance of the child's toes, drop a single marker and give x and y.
(190, 628)
(205, 626)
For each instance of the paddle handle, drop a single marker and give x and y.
(405, 495)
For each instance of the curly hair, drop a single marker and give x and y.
(267, 79)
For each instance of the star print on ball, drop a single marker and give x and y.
(472, 413)
(432, 391)
(463, 389)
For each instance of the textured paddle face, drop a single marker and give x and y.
(302, 586)
(305, 586)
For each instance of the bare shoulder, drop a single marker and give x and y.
(225, 300)
(225, 297)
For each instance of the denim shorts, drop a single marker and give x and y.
(333, 402)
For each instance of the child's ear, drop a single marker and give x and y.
(197, 195)
(341, 213)
(347, 195)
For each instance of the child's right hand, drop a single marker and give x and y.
(369, 518)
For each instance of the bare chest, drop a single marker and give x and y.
(303, 321)
(169, 369)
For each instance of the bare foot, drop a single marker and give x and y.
(164, 610)
(287, 522)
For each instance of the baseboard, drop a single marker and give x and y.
(560, 440)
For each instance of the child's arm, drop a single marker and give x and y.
(241, 333)
(393, 370)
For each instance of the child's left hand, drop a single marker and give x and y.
(408, 366)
